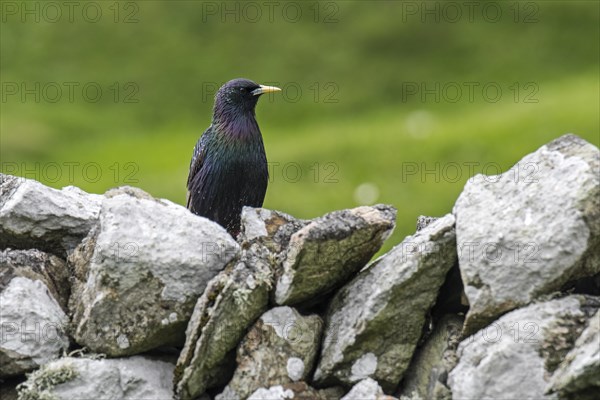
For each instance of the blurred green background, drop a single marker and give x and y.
(394, 102)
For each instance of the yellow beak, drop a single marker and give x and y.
(265, 89)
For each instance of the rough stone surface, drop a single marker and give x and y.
(140, 271)
(367, 389)
(527, 232)
(329, 250)
(33, 324)
(516, 356)
(279, 335)
(373, 323)
(428, 371)
(35, 216)
(578, 376)
(297, 391)
(117, 379)
(37, 265)
(271, 229)
(423, 221)
(232, 302)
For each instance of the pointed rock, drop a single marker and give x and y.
(232, 302)
(373, 323)
(328, 251)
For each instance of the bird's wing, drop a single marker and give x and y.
(197, 161)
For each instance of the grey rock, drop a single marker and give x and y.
(37, 265)
(328, 251)
(139, 273)
(279, 349)
(367, 389)
(516, 355)
(272, 393)
(373, 323)
(428, 371)
(271, 229)
(578, 375)
(530, 230)
(297, 391)
(34, 326)
(232, 302)
(36, 216)
(84, 378)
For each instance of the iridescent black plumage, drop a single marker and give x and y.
(229, 165)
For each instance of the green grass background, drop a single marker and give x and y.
(367, 52)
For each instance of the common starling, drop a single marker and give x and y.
(229, 166)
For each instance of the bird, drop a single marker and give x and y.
(229, 167)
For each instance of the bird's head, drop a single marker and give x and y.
(240, 96)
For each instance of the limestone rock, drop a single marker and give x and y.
(515, 356)
(530, 230)
(367, 389)
(37, 265)
(279, 349)
(296, 391)
(34, 326)
(140, 272)
(373, 323)
(116, 379)
(328, 251)
(232, 302)
(35, 216)
(271, 229)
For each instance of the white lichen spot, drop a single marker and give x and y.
(364, 367)
(295, 368)
(122, 341)
(173, 317)
(251, 282)
(273, 393)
